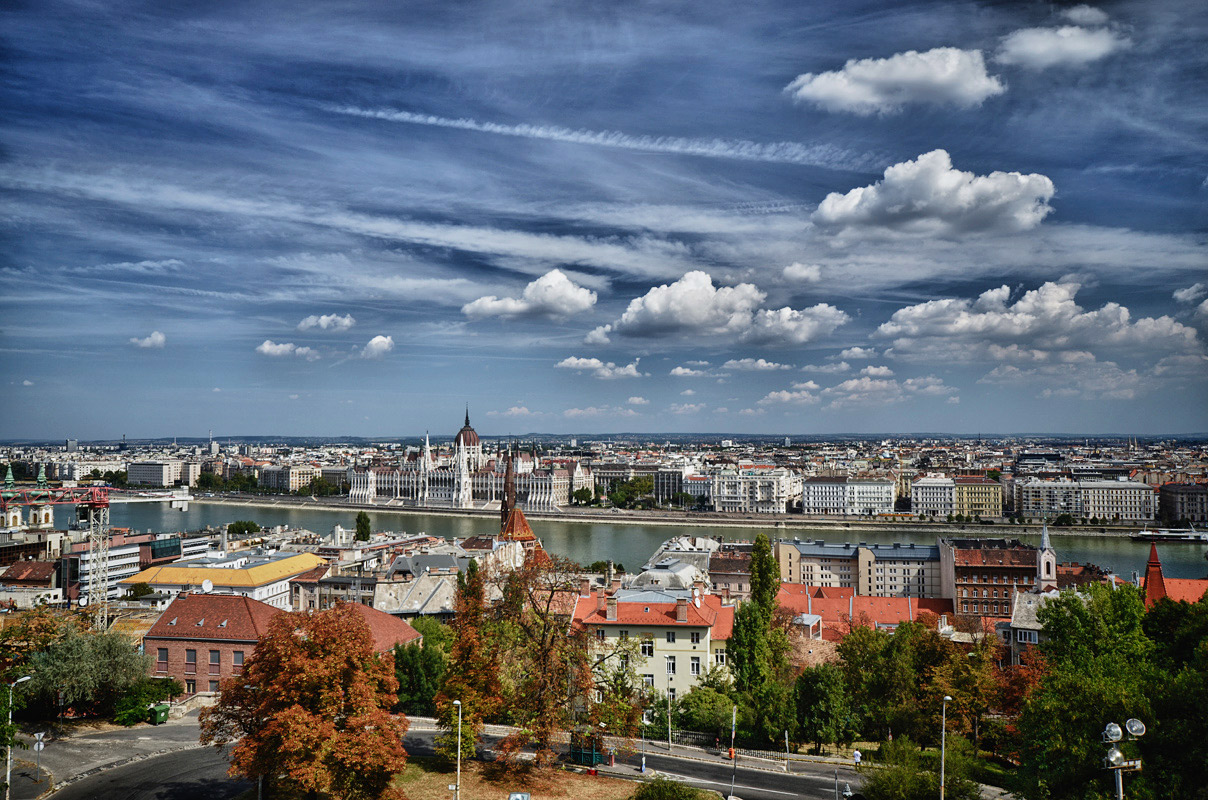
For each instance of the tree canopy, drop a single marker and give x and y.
(310, 712)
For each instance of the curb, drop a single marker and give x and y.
(112, 765)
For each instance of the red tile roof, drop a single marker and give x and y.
(995, 557)
(213, 617)
(40, 572)
(1188, 589)
(874, 610)
(711, 614)
(387, 630)
(517, 528)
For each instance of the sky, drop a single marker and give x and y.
(360, 218)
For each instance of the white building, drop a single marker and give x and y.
(874, 570)
(153, 473)
(847, 496)
(1100, 499)
(756, 490)
(932, 496)
(263, 577)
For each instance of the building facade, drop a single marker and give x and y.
(754, 490)
(876, 570)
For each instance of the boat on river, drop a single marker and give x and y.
(1173, 536)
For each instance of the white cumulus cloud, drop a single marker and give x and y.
(803, 273)
(378, 346)
(27, 382)
(1191, 293)
(638, 401)
(154, 341)
(943, 76)
(690, 305)
(929, 196)
(1067, 46)
(601, 369)
(270, 348)
(1042, 325)
(754, 365)
(687, 372)
(794, 326)
(1085, 15)
(513, 412)
(858, 352)
(551, 295)
(327, 322)
(686, 408)
(828, 369)
(883, 391)
(877, 372)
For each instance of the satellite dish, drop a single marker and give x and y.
(207, 586)
(83, 601)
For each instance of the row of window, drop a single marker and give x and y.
(215, 663)
(647, 639)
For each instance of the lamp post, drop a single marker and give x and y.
(8, 759)
(457, 791)
(668, 720)
(943, 740)
(1115, 760)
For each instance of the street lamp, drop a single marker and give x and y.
(943, 740)
(457, 791)
(1115, 760)
(8, 759)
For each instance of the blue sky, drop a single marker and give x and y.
(355, 218)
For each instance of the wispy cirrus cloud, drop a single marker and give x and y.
(739, 149)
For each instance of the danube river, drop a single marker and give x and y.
(629, 543)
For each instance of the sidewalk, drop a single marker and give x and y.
(72, 755)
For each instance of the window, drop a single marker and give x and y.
(648, 648)
(671, 693)
(599, 696)
(648, 680)
(720, 657)
(190, 687)
(190, 662)
(215, 662)
(161, 659)
(624, 662)
(1027, 637)
(670, 665)
(214, 686)
(670, 637)
(599, 634)
(965, 607)
(695, 665)
(624, 636)
(695, 637)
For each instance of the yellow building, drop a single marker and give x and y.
(977, 497)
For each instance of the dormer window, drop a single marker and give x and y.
(201, 622)
(173, 622)
(222, 624)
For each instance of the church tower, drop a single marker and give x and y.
(1046, 562)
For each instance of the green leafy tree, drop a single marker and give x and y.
(583, 497)
(131, 709)
(88, 670)
(707, 710)
(824, 714)
(420, 670)
(243, 527)
(909, 774)
(364, 531)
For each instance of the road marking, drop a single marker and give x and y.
(721, 783)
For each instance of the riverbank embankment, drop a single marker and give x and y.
(779, 526)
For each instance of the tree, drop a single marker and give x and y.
(310, 711)
(824, 714)
(139, 590)
(583, 497)
(419, 670)
(363, 527)
(242, 527)
(88, 670)
(472, 670)
(707, 710)
(909, 775)
(131, 709)
(683, 499)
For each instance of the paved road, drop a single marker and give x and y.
(198, 774)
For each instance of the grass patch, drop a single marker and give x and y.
(428, 778)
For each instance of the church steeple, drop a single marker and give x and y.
(467, 415)
(509, 491)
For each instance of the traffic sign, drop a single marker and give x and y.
(38, 746)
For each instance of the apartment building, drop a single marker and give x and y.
(1180, 501)
(153, 473)
(755, 490)
(289, 477)
(847, 496)
(681, 633)
(982, 576)
(1100, 499)
(877, 570)
(977, 497)
(933, 496)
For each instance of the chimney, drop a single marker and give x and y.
(616, 583)
(600, 600)
(681, 610)
(612, 609)
(585, 587)
(698, 586)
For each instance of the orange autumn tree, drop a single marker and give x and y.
(310, 713)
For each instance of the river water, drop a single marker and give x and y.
(630, 543)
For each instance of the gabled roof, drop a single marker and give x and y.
(861, 608)
(1188, 589)
(213, 617)
(387, 631)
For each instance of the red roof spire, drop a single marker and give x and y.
(1155, 584)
